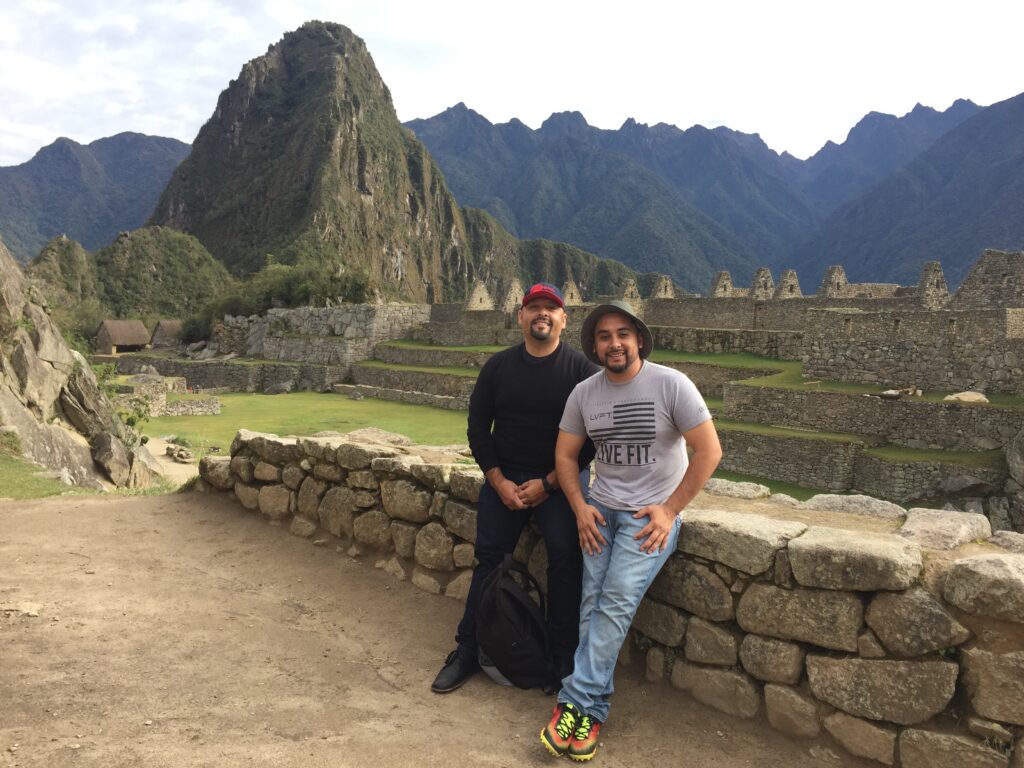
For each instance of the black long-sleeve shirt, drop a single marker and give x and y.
(523, 397)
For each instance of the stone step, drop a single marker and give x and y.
(430, 355)
(907, 421)
(359, 391)
(845, 463)
(414, 380)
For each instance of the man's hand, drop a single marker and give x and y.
(587, 521)
(532, 493)
(508, 492)
(658, 528)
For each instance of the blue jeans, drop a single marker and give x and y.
(614, 582)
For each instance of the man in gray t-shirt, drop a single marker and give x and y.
(641, 417)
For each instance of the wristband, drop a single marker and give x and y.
(548, 487)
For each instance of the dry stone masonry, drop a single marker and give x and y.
(863, 637)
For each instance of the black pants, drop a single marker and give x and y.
(497, 531)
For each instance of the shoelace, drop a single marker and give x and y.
(583, 729)
(566, 724)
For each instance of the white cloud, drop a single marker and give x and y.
(795, 71)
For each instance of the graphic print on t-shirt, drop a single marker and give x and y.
(628, 438)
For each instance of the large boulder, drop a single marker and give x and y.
(109, 452)
(823, 617)
(913, 623)
(48, 395)
(747, 543)
(988, 585)
(835, 558)
(904, 692)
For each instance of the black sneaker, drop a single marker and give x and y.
(460, 665)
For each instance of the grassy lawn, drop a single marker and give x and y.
(467, 372)
(806, 434)
(304, 413)
(730, 360)
(981, 459)
(18, 480)
(465, 348)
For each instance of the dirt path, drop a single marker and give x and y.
(182, 631)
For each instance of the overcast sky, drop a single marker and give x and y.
(798, 73)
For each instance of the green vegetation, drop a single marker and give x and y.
(452, 371)
(796, 491)
(310, 284)
(976, 459)
(151, 273)
(20, 479)
(730, 360)
(90, 192)
(305, 413)
(804, 434)
(402, 344)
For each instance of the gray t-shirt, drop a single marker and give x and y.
(637, 427)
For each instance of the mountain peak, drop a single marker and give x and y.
(564, 124)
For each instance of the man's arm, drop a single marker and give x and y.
(707, 452)
(481, 441)
(588, 518)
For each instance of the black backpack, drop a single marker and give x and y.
(510, 627)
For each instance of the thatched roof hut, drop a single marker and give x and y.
(166, 334)
(116, 336)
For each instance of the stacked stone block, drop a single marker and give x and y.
(861, 636)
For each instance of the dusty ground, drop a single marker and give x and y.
(183, 631)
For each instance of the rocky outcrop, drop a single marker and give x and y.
(50, 400)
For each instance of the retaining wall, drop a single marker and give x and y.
(781, 345)
(447, 384)
(809, 462)
(906, 481)
(232, 376)
(939, 350)
(907, 421)
(819, 629)
(332, 336)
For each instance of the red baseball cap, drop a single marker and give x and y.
(544, 291)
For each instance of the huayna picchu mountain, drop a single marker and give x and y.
(304, 161)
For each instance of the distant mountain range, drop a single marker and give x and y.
(963, 193)
(88, 192)
(304, 162)
(685, 202)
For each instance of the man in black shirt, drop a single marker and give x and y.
(514, 413)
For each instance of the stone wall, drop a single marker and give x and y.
(908, 421)
(205, 406)
(907, 481)
(711, 379)
(809, 462)
(940, 350)
(332, 336)
(849, 633)
(782, 345)
(439, 383)
(239, 376)
(843, 466)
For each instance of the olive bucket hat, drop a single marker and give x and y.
(621, 308)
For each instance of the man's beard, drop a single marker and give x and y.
(627, 360)
(540, 331)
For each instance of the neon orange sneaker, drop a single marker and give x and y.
(558, 733)
(583, 744)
